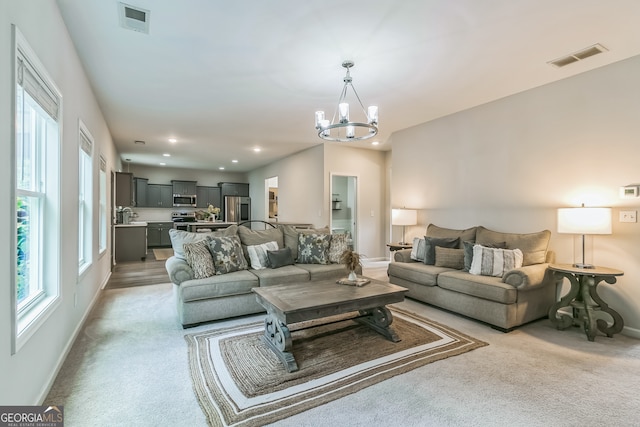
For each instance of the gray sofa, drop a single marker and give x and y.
(521, 295)
(221, 296)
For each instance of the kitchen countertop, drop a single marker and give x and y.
(132, 224)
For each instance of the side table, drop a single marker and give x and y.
(583, 298)
(399, 246)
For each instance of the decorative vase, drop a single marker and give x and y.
(352, 276)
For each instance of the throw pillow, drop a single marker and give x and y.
(227, 254)
(180, 237)
(468, 234)
(533, 245)
(494, 262)
(468, 252)
(418, 249)
(199, 259)
(337, 247)
(313, 248)
(258, 254)
(449, 257)
(249, 237)
(280, 258)
(430, 244)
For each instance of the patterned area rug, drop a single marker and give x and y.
(240, 382)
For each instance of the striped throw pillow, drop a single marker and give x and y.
(494, 262)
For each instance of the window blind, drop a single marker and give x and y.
(103, 164)
(85, 143)
(35, 86)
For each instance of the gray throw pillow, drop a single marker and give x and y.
(313, 248)
(227, 254)
(430, 244)
(468, 252)
(280, 258)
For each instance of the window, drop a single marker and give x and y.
(103, 205)
(36, 153)
(85, 198)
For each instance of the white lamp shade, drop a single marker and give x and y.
(404, 217)
(584, 220)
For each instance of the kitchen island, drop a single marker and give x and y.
(206, 225)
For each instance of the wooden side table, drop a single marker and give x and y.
(583, 298)
(399, 246)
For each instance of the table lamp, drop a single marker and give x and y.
(404, 217)
(584, 221)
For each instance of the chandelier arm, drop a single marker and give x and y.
(361, 104)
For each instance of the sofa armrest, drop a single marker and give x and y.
(178, 269)
(528, 277)
(403, 255)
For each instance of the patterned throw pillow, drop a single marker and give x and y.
(337, 247)
(227, 254)
(313, 248)
(418, 249)
(494, 262)
(199, 259)
(450, 258)
(258, 254)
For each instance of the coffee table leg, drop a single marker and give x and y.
(379, 319)
(278, 338)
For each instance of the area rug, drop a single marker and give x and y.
(239, 381)
(163, 253)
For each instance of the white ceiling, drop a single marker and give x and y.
(224, 77)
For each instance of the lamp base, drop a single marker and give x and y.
(582, 265)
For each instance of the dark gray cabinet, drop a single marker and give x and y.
(140, 192)
(187, 188)
(234, 189)
(158, 234)
(123, 189)
(208, 196)
(159, 196)
(130, 243)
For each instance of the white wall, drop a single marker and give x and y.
(27, 375)
(509, 164)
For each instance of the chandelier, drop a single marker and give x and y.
(341, 128)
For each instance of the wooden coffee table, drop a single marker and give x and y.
(288, 304)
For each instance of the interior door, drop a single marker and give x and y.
(344, 206)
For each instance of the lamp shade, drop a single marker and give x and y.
(584, 220)
(404, 217)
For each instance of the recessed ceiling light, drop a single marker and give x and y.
(375, 143)
(257, 150)
(173, 140)
(221, 168)
(167, 155)
(139, 142)
(163, 164)
(234, 161)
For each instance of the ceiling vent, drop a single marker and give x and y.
(133, 18)
(579, 55)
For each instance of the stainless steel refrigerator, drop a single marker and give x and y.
(237, 209)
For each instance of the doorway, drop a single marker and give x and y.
(271, 196)
(344, 197)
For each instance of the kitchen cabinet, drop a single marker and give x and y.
(159, 196)
(123, 189)
(234, 189)
(140, 192)
(208, 196)
(130, 243)
(158, 234)
(184, 187)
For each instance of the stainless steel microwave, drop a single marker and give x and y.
(187, 200)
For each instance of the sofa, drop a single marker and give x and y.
(494, 277)
(214, 272)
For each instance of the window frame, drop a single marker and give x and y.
(85, 198)
(102, 207)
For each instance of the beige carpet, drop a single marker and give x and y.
(239, 381)
(162, 253)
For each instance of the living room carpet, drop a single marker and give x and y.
(162, 254)
(239, 381)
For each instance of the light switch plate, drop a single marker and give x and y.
(628, 216)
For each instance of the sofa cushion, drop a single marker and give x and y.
(236, 283)
(416, 272)
(313, 248)
(430, 244)
(180, 237)
(249, 237)
(227, 254)
(449, 257)
(468, 252)
(533, 245)
(281, 276)
(258, 254)
(485, 287)
(280, 258)
(494, 262)
(466, 235)
(337, 247)
(199, 259)
(326, 271)
(418, 249)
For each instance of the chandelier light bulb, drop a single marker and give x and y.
(343, 108)
(319, 118)
(351, 132)
(372, 114)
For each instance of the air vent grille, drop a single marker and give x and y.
(579, 55)
(133, 18)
